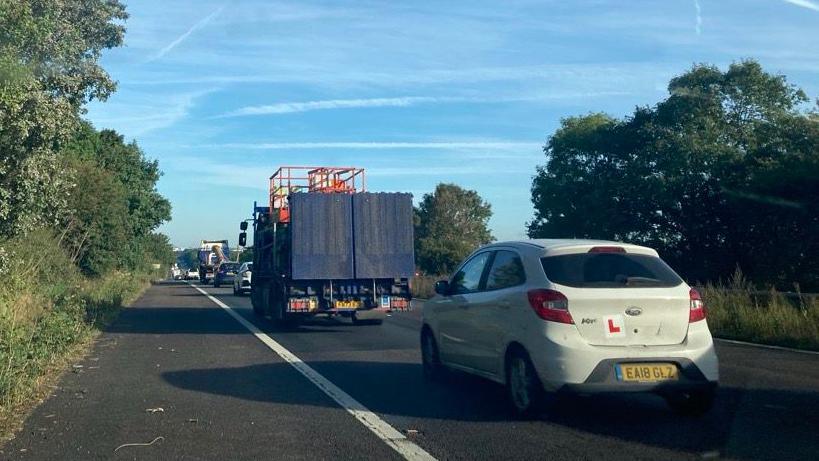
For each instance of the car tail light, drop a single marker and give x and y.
(607, 250)
(550, 305)
(697, 311)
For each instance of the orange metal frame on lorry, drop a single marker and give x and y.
(329, 180)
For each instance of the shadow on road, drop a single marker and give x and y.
(203, 320)
(749, 424)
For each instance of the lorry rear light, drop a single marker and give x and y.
(697, 311)
(607, 250)
(550, 305)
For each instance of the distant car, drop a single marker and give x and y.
(176, 273)
(583, 316)
(241, 282)
(225, 273)
(192, 274)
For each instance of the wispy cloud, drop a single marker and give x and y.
(698, 24)
(804, 4)
(403, 101)
(127, 114)
(202, 23)
(291, 107)
(383, 145)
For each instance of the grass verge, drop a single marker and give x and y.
(49, 315)
(739, 311)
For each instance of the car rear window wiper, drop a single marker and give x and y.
(641, 280)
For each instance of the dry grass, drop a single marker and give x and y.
(739, 311)
(423, 286)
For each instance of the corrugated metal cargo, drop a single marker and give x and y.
(383, 233)
(321, 232)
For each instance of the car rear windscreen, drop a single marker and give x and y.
(609, 270)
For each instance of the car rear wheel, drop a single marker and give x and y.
(524, 389)
(430, 359)
(693, 403)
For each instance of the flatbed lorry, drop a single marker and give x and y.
(325, 246)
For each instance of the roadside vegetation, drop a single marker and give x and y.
(78, 206)
(723, 173)
(450, 223)
(738, 310)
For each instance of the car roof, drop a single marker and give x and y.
(554, 247)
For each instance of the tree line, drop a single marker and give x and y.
(93, 190)
(721, 175)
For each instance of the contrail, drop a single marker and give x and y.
(202, 23)
(698, 26)
(804, 4)
(291, 107)
(385, 145)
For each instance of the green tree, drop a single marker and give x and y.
(246, 256)
(722, 173)
(154, 248)
(113, 204)
(49, 52)
(188, 258)
(97, 228)
(450, 223)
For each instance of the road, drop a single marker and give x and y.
(224, 394)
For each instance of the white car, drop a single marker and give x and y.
(241, 282)
(545, 317)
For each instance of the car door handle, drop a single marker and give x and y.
(504, 305)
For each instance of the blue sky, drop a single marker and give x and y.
(224, 92)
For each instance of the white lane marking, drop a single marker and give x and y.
(388, 434)
(766, 346)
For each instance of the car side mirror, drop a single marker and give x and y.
(243, 225)
(442, 287)
(243, 239)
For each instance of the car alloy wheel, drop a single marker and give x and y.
(526, 394)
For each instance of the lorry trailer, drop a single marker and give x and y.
(325, 246)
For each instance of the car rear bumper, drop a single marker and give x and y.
(603, 379)
(565, 358)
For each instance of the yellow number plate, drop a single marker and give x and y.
(347, 304)
(647, 372)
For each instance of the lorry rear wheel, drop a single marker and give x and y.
(258, 302)
(357, 321)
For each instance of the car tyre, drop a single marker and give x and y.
(695, 403)
(258, 302)
(525, 392)
(430, 358)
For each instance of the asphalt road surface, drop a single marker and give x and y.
(178, 366)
